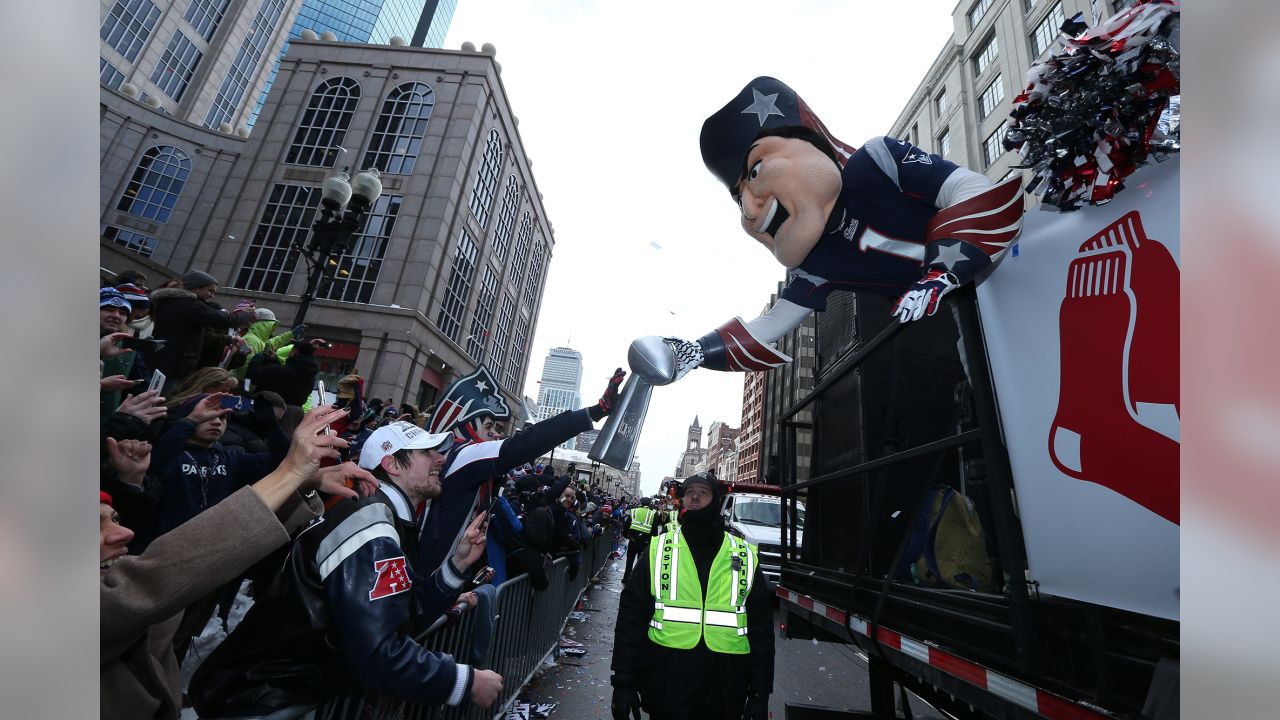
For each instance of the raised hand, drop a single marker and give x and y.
(347, 480)
(209, 408)
(471, 546)
(130, 458)
(605, 405)
(311, 445)
(147, 406)
(116, 382)
(107, 346)
(924, 296)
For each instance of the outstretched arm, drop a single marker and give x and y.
(740, 346)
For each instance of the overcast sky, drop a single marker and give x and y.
(611, 97)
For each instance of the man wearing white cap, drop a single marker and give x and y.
(334, 620)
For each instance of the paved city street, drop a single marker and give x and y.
(806, 671)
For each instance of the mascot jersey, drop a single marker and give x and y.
(875, 238)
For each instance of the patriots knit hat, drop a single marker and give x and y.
(104, 498)
(111, 297)
(197, 279)
(135, 295)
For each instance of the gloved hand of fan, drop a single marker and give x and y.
(605, 406)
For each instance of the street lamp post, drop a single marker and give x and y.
(344, 203)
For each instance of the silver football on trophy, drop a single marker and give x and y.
(652, 360)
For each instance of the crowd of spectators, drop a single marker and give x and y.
(228, 501)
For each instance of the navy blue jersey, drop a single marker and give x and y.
(875, 238)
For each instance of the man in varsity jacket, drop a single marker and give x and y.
(339, 616)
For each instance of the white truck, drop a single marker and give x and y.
(755, 511)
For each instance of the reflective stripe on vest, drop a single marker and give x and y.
(642, 519)
(682, 615)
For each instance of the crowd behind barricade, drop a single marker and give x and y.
(260, 556)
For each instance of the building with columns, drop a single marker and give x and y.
(448, 272)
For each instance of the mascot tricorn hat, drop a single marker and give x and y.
(468, 398)
(763, 104)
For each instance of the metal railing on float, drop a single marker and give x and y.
(527, 628)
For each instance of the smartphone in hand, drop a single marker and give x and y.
(157, 381)
(236, 402)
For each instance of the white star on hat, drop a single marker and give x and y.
(764, 106)
(482, 386)
(950, 256)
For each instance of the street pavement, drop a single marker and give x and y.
(805, 671)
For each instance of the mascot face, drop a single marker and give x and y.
(787, 192)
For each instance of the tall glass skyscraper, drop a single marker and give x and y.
(369, 21)
(561, 385)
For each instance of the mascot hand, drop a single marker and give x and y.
(923, 297)
(688, 355)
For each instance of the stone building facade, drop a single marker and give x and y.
(960, 108)
(448, 271)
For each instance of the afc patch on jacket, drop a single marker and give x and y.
(392, 578)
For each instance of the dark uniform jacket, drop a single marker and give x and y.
(697, 684)
(339, 617)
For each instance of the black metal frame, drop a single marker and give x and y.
(1018, 632)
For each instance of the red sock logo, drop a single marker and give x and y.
(1117, 423)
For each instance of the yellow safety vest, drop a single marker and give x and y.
(642, 519)
(682, 614)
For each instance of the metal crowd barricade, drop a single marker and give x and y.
(526, 630)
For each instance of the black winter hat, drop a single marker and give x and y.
(699, 479)
(197, 279)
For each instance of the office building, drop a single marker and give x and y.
(560, 388)
(961, 107)
(449, 269)
(200, 61)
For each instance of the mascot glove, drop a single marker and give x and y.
(625, 705)
(609, 398)
(924, 296)
(688, 355)
(757, 708)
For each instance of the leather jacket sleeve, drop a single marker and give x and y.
(370, 595)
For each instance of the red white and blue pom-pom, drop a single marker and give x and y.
(1105, 104)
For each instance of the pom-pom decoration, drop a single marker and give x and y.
(1108, 102)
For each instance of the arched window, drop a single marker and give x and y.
(397, 137)
(506, 219)
(535, 276)
(324, 124)
(157, 182)
(128, 26)
(487, 178)
(459, 288)
(522, 252)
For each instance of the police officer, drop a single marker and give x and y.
(694, 636)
